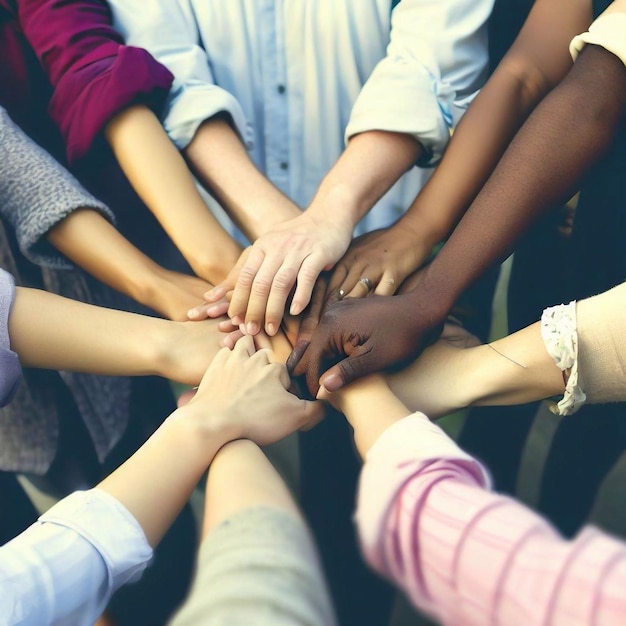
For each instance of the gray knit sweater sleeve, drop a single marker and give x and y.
(36, 193)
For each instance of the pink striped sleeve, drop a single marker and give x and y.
(468, 556)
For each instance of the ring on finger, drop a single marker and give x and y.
(367, 283)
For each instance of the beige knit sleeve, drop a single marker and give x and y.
(601, 322)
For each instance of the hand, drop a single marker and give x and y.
(363, 336)
(385, 257)
(293, 252)
(249, 394)
(321, 298)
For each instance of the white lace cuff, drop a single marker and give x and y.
(558, 331)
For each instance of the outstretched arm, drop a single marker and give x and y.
(540, 168)
(95, 245)
(105, 535)
(536, 62)
(418, 488)
(403, 115)
(160, 176)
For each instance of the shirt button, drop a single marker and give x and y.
(281, 88)
(284, 165)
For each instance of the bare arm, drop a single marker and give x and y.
(94, 244)
(223, 165)
(242, 395)
(536, 62)
(160, 176)
(540, 168)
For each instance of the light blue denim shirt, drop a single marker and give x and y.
(289, 73)
(65, 567)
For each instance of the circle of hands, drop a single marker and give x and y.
(355, 320)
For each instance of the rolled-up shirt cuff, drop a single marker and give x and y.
(108, 526)
(10, 368)
(86, 99)
(190, 105)
(402, 451)
(403, 97)
(608, 31)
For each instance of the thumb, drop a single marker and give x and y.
(360, 363)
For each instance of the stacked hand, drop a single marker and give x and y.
(356, 337)
(293, 253)
(244, 395)
(378, 262)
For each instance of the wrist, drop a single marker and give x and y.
(203, 431)
(339, 204)
(432, 294)
(421, 228)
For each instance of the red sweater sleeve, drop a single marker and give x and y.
(94, 75)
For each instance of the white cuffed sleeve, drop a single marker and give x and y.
(435, 64)
(608, 31)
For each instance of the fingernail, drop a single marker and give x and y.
(192, 313)
(271, 329)
(332, 382)
(252, 328)
(237, 321)
(295, 309)
(242, 328)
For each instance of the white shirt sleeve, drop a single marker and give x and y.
(65, 567)
(167, 29)
(436, 62)
(608, 31)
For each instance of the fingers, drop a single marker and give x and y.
(208, 310)
(244, 348)
(231, 339)
(357, 365)
(267, 302)
(307, 275)
(320, 298)
(362, 289)
(387, 284)
(243, 287)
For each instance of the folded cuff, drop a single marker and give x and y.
(85, 100)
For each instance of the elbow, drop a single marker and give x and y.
(530, 82)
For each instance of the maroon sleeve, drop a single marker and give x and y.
(94, 75)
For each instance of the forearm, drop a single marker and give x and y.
(160, 176)
(445, 378)
(95, 245)
(221, 162)
(370, 407)
(475, 148)
(537, 61)
(52, 332)
(157, 481)
(541, 168)
(242, 477)
(370, 165)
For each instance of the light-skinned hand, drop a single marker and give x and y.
(246, 392)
